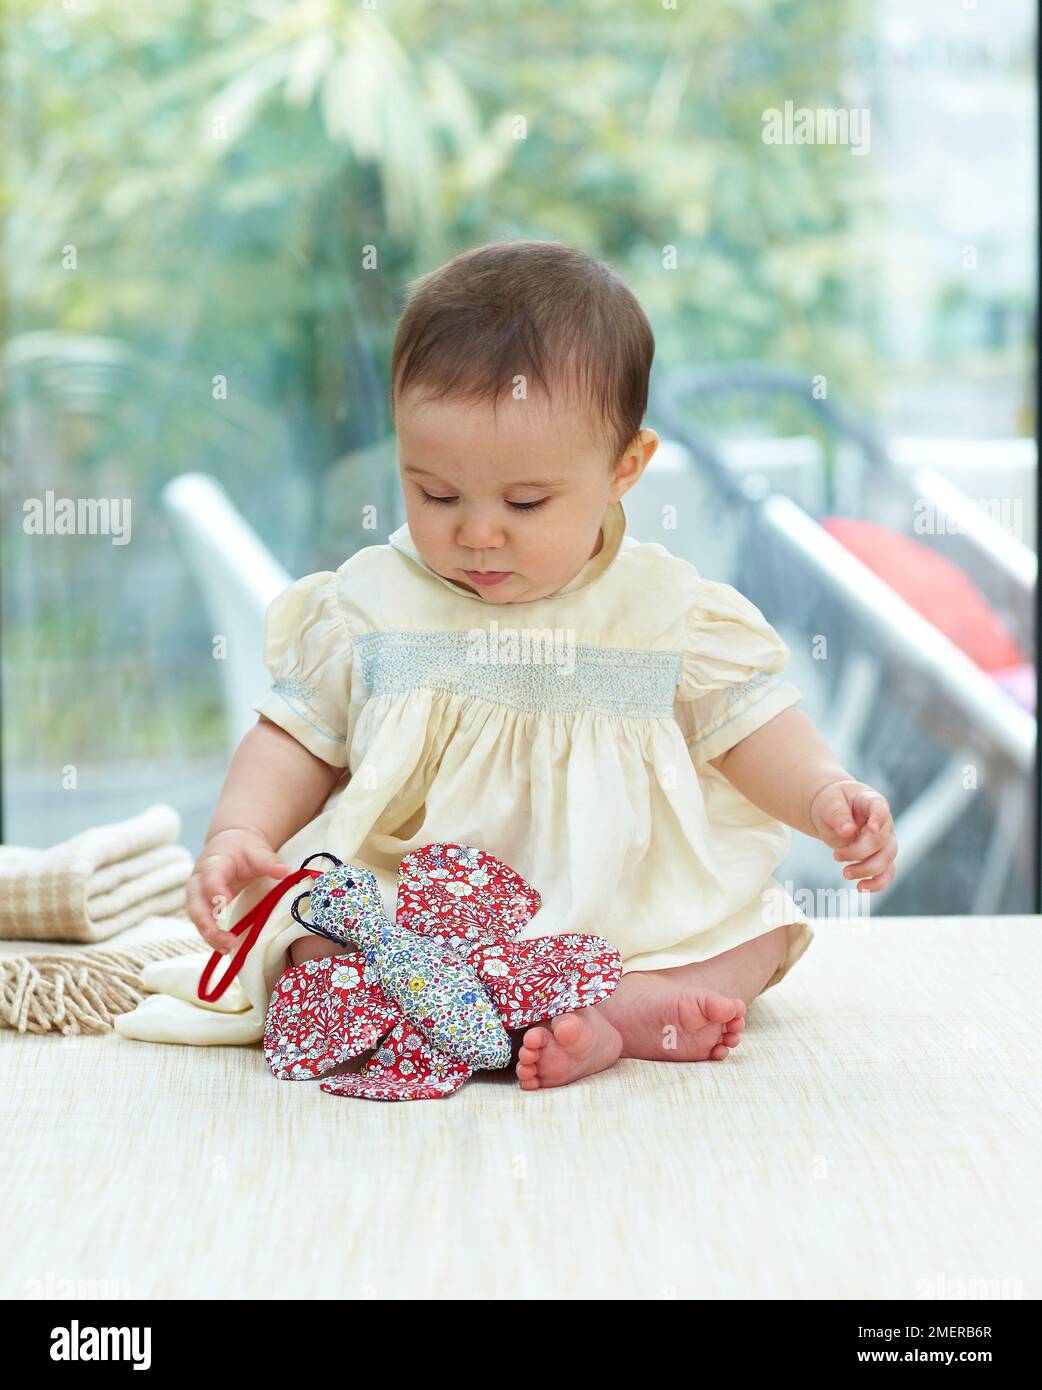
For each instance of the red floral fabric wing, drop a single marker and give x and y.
(403, 1067)
(462, 896)
(322, 1012)
(549, 975)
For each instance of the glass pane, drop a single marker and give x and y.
(827, 211)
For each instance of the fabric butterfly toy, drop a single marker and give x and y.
(436, 991)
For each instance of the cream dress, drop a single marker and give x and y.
(569, 736)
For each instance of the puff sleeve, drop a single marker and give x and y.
(731, 682)
(308, 648)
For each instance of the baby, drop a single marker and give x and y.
(644, 790)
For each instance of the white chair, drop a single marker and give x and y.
(893, 651)
(784, 561)
(238, 577)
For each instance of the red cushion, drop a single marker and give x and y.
(934, 586)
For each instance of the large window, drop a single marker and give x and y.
(827, 208)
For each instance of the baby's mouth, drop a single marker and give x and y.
(486, 577)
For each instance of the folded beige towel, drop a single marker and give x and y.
(97, 883)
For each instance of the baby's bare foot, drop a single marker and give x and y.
(661, 1020)
(574, 1045)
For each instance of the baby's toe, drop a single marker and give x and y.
(527, 1074)
(535, 1039)
(718, 1053)
(719, 1008)
(567, 1030)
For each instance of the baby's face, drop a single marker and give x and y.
(520, 495)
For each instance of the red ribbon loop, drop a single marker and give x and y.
(253, 924)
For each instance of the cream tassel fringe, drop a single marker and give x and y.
(79, 993)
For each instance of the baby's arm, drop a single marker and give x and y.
(274, 785)
(788, 770)
(273, 788)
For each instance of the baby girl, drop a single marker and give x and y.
(645, 786)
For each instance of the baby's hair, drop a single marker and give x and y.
(535, 309)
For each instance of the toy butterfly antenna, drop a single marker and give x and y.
(252, 925)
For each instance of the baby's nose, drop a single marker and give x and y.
(478, 534)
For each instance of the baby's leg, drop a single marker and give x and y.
(689, 1013)
(693, 1013)
(312, 947)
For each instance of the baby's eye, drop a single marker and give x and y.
(517, 506)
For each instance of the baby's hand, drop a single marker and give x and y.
(854, 820)
(230, 860)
